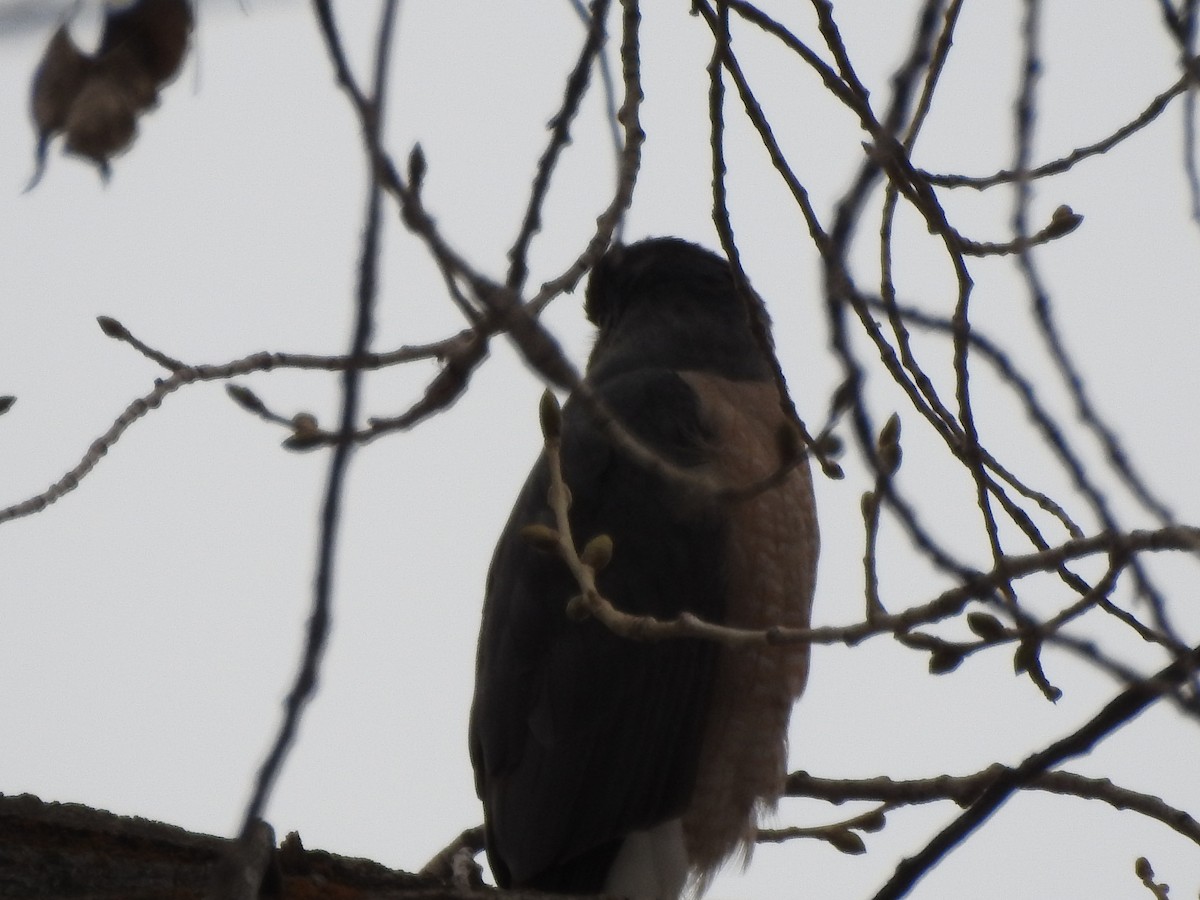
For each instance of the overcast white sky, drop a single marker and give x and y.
(150, 621)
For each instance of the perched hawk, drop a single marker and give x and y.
(630, 768)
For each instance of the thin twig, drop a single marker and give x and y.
(610, 89)
(832, 80)
(117, 331)
(1120, 710)
(560, 136)
(966, 789)
(591, 602)
(627, 171)
(263, 361)
(833, 40)
(318, 624)
(762, 126)
(755, 310)
(842, 835)
(1066, 163)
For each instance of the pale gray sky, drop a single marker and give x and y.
(150, 621)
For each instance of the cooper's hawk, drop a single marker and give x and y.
(631, 768)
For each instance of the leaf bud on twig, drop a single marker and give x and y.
(986, 626)
(246, 399)
(542, 537)
(889, 445)
(112, 327)
(598, 552)
(550, 415)
(944, 659)
(416, 168)
(846, 841)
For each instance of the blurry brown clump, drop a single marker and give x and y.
(95, 100)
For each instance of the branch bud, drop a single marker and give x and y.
(846, 841)
(299, 441)
(889, 445)
(1063, 220)
(306, 433)
(112, 327)
(832, 470)
(944, 659)
(246, 399)
(598, 552)
(550, 414)
(843, 397)
(416, 168)
(829, 444)
(986, 626)
(542, 537)
(871, 822)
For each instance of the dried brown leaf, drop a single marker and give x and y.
(96, 100)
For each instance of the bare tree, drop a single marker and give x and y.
(1033, 561)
